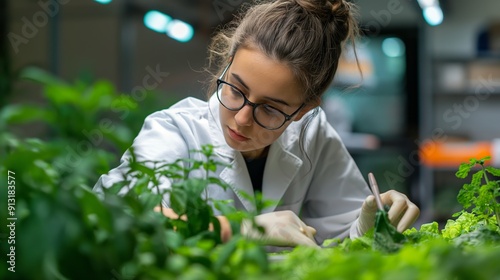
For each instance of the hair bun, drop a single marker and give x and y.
(338, 12)
(341, 9)
(329, 10)
(316, 7)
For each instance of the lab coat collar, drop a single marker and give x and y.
(281, 166)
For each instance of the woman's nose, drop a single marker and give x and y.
(244, 117)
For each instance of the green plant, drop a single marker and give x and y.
(66, 231)
(70, 232)
(385, 237)
(75, 121)
(467, 248)
(483, 197)
(76, 112)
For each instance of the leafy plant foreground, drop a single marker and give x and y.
(468, 247)
(69, 232)
(64, 230)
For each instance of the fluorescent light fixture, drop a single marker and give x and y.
(427, 3)
(433, 15)
(393, 47)
(180, 30)
(174, 28)
(157, 21)
(103, 1)
(432, 12)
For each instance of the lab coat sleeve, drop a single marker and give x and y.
(337, 188)
(160, 139)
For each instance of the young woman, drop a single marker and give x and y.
(264, 119)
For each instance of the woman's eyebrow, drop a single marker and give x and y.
(238, 78)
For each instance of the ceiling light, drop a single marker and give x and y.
(393, 47)
(433, 15)
(427, 3)
(432, 12)
(174, 28)
(156, 21)
(103, 1)
(180, 30)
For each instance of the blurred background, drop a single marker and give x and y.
(429, 98)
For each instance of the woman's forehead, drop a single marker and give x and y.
(264, 75)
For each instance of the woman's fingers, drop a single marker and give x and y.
(282, 228)
(403, 213)
(409, 217)
(370, 204)
(304, 237)
(308, 231)
(397, 210)
(304, 240)
(311, 232)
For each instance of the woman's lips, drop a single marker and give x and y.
(236, 136)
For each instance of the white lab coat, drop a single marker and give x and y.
(327, 194)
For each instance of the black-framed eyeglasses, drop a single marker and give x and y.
(264, 115)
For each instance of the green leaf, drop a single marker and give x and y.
(41, 76)
(177, 263)
(466, 196)
(93, 207)
(210, 166)
(476, 179)
(255, 254)
(195, 186)
(464, 170)
(207, 150)
(386, 237)
(199, 218)
(430, 227)
(178, 200)
(150, 200)
(219, 182)
(224, 253)
(16, 114)
(173, 239)
(99, 95)
(483, 160)
(62, 94)
(493, 171)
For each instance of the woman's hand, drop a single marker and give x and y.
(225, 226)
(282, 228)
(402, 213)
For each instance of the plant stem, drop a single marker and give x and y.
(484, 174)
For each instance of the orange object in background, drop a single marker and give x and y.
(442, 154)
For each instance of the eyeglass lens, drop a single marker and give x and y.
(265, 115)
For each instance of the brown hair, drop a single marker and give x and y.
(306, 35)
